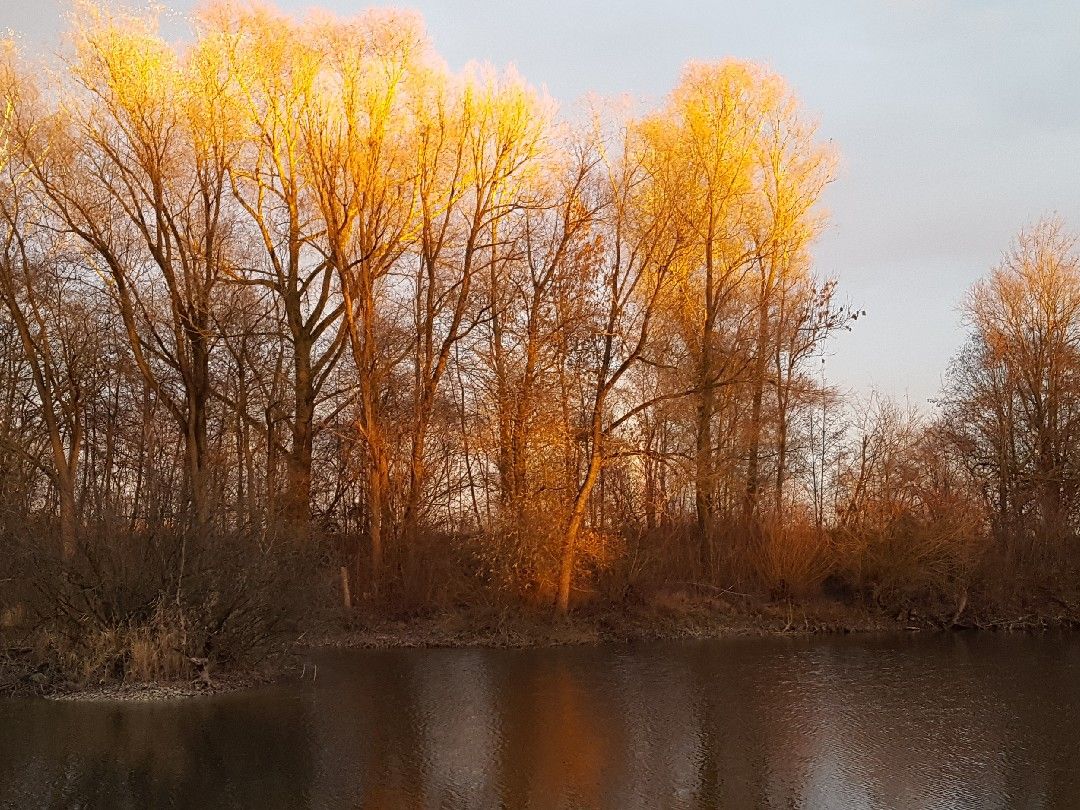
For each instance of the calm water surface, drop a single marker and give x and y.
(952, 721)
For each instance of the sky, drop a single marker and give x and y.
(957, 123)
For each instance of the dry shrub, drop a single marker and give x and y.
(601, 560)
(790, 560)
(159, 606)
(520, 563)
(444, 573)
(913, 559)
(634, 571)
(506, 566)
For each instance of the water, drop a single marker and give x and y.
(932, 721)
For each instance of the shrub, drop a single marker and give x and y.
(158, 605)
(791, 560)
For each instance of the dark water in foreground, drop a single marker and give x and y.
(961, 721)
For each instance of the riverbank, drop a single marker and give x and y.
(21, 681)
(681, 616)
(481, 628)
(153, 692)
(669, 616)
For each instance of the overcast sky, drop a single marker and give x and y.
(957, 123)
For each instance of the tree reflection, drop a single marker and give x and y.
(893, 722)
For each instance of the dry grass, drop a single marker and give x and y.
(139, 653)
(791, 560)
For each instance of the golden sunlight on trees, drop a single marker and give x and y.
(293, 291)
(744, 173)
(1013, 400)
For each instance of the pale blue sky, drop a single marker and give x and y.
(957, 124)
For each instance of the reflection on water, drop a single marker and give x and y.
(926, 722)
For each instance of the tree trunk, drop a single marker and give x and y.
(298, 495)
(376, 510)
(753, 483)
(704, 489)
(65, 484)
(573, 530)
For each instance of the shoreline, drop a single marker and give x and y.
(476, 629)
(452, 631)
(142, 692)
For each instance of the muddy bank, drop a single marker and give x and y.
(24, 679)
(667, 617)
(147, 692)
(673, 619)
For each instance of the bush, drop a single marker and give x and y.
(791, 560)
(912, 559)
(159, 606)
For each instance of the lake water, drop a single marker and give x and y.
(926, 721)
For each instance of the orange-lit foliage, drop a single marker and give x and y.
(351, 300)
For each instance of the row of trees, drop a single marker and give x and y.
(299, 280)
(1012, 399)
